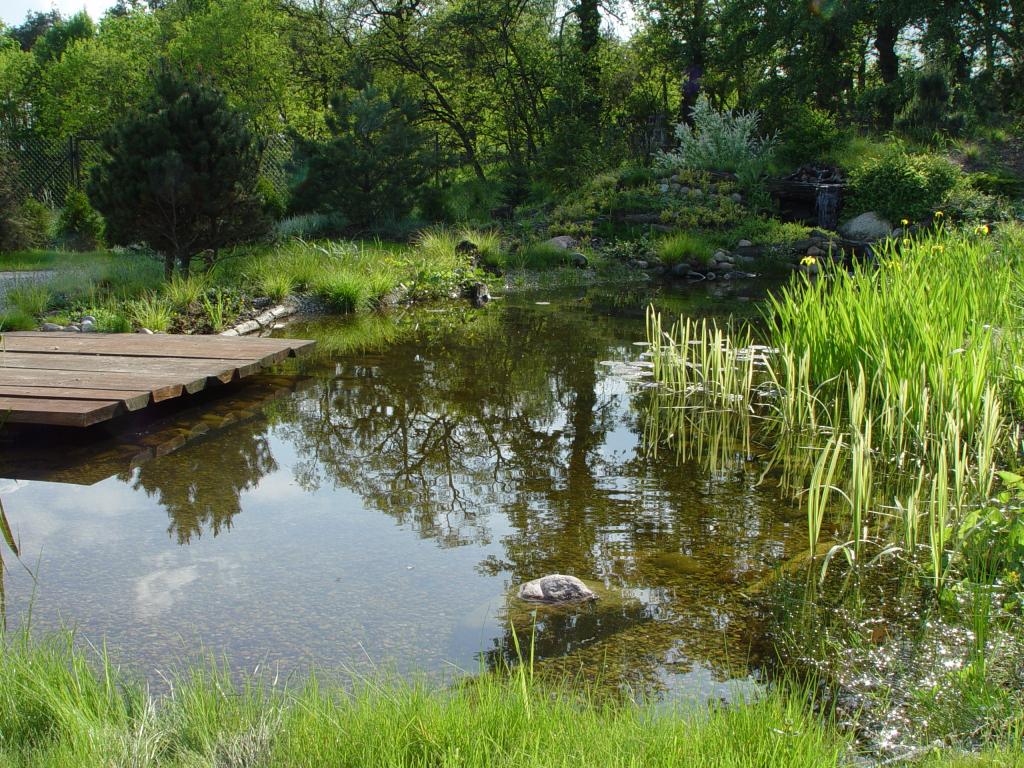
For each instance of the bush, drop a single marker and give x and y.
(632, 177)
(810, 135)
(79, 226)
(966, 204)
(719, 141)
(998, 184)
(273, 200)
(684, 247)
(14, 230)
(900, 185)
(40, 223)
(375, 164)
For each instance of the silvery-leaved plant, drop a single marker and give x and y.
(720, 141)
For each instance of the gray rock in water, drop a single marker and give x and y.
(867, 226)
(556, 588)
(88, 327)
(52, 327)
(88, 319)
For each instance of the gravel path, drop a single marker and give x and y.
(10, 279)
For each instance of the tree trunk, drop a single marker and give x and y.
(888, 67)
(690, 86)
(168, 266)
(590, 35)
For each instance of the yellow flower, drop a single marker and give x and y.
(939, 214)
(939, 248)
(904, 222)
(906, 242)
(808, 261)
(982, 230)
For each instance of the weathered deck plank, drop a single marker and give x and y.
(79, 380)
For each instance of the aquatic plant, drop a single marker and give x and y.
(890, 382)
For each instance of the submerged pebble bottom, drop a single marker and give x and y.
(376, 509)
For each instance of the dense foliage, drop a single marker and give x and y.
(374, 165)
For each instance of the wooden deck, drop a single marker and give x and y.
(76, 380)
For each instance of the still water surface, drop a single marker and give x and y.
(376, 505)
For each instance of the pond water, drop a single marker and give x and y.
(376, 505)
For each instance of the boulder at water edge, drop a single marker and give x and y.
(867, 226)
(556, 588)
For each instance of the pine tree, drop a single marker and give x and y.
(181, 176)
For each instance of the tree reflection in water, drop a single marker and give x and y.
(200, 487)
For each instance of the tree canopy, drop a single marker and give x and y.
(506, 85)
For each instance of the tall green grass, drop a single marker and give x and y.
(888, 394)
(60, 705)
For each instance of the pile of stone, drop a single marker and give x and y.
(86, 325)
(723, 265)
(674, 186)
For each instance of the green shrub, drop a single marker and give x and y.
(109, 319)
(683, 247)
(374, 164)
(966, 204)
(810, 135)
(999, 184)
(273, 200)
(80, 227)
(901, 185)
(635, 177)
(40, 223)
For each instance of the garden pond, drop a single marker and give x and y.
(375, 506)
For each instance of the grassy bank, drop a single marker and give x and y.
(59, 706)
(126, 290)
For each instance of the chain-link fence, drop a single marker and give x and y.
(49, 168)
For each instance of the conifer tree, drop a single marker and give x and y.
(181, 176)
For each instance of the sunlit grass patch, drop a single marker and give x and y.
(151, 311)
(62, 706)
(683, 247)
